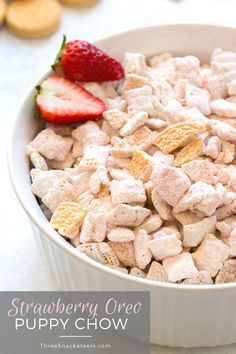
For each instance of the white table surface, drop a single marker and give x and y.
(22, 62)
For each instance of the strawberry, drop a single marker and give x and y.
(81, 61)
(61, 101)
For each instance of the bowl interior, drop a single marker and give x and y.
(197, 40)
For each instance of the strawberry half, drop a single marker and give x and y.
(61, 101)
(81, 61)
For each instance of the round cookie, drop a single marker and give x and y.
(33, 18)
(2, 11)
(80, 2)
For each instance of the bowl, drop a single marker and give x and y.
(184, 316)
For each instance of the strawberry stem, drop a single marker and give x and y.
(59, 54)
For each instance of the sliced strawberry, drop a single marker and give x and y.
(81, 61)
(60, 101)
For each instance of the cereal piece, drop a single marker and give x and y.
(81, 181)
(173, 111)
(120, 163)
(143, 255)
(226, 211)
(126, 215)
(142, 139)
(213, 147)
(225, 227)
(197, 97)
(98, 179)
(163, 209)
(221, 56)
(35, 18)
(230, 198)
(51, 145)
(119, 174)
(223, 108)
(186, 218)
(211, 255)
(178, 135)
(103, 90)
(137, 272)
(134, 123)
(68, 218)
(228, 153)
(108, 130)
(190, 152)
(231, 86)
(124, 251)
(194, 115)
(200, 197)
(89, 133)
(141, 166)
(167, 93)
(217, 86)
(117, 103)
(116, 118)
(202, 278)
(63, 130)
(120, 234)
(36, 159)
(61, 191)
(179, 89)
(77, 149)
(94, 228)
(180, 267)
(62, 165)
(160, 59)
(221, 68)
(140, 100)
(170, 183)
(161, 74)
(227, 274)
(133, 81)
(224, 175)
(165, 246)
(94, 156)
(159, 157)
(186, 64)
(85, 199)
(100, 252)
(201, 170)
(167, 231)
(43, 181)
(223, 130)
(156, 272)
(134, 63)
(101, 205)
(195, 233)
(127, 191)
(156, 124)
(151, 224)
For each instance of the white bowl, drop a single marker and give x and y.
(185, 316)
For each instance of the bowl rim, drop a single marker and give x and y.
(52, 235)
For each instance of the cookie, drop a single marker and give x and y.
(2, 11)
(33, 18)
(80, 2)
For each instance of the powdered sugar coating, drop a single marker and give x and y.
(150, 189)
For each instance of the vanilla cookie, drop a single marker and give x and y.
(80, 2)
(33, 18)
(2, 11)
